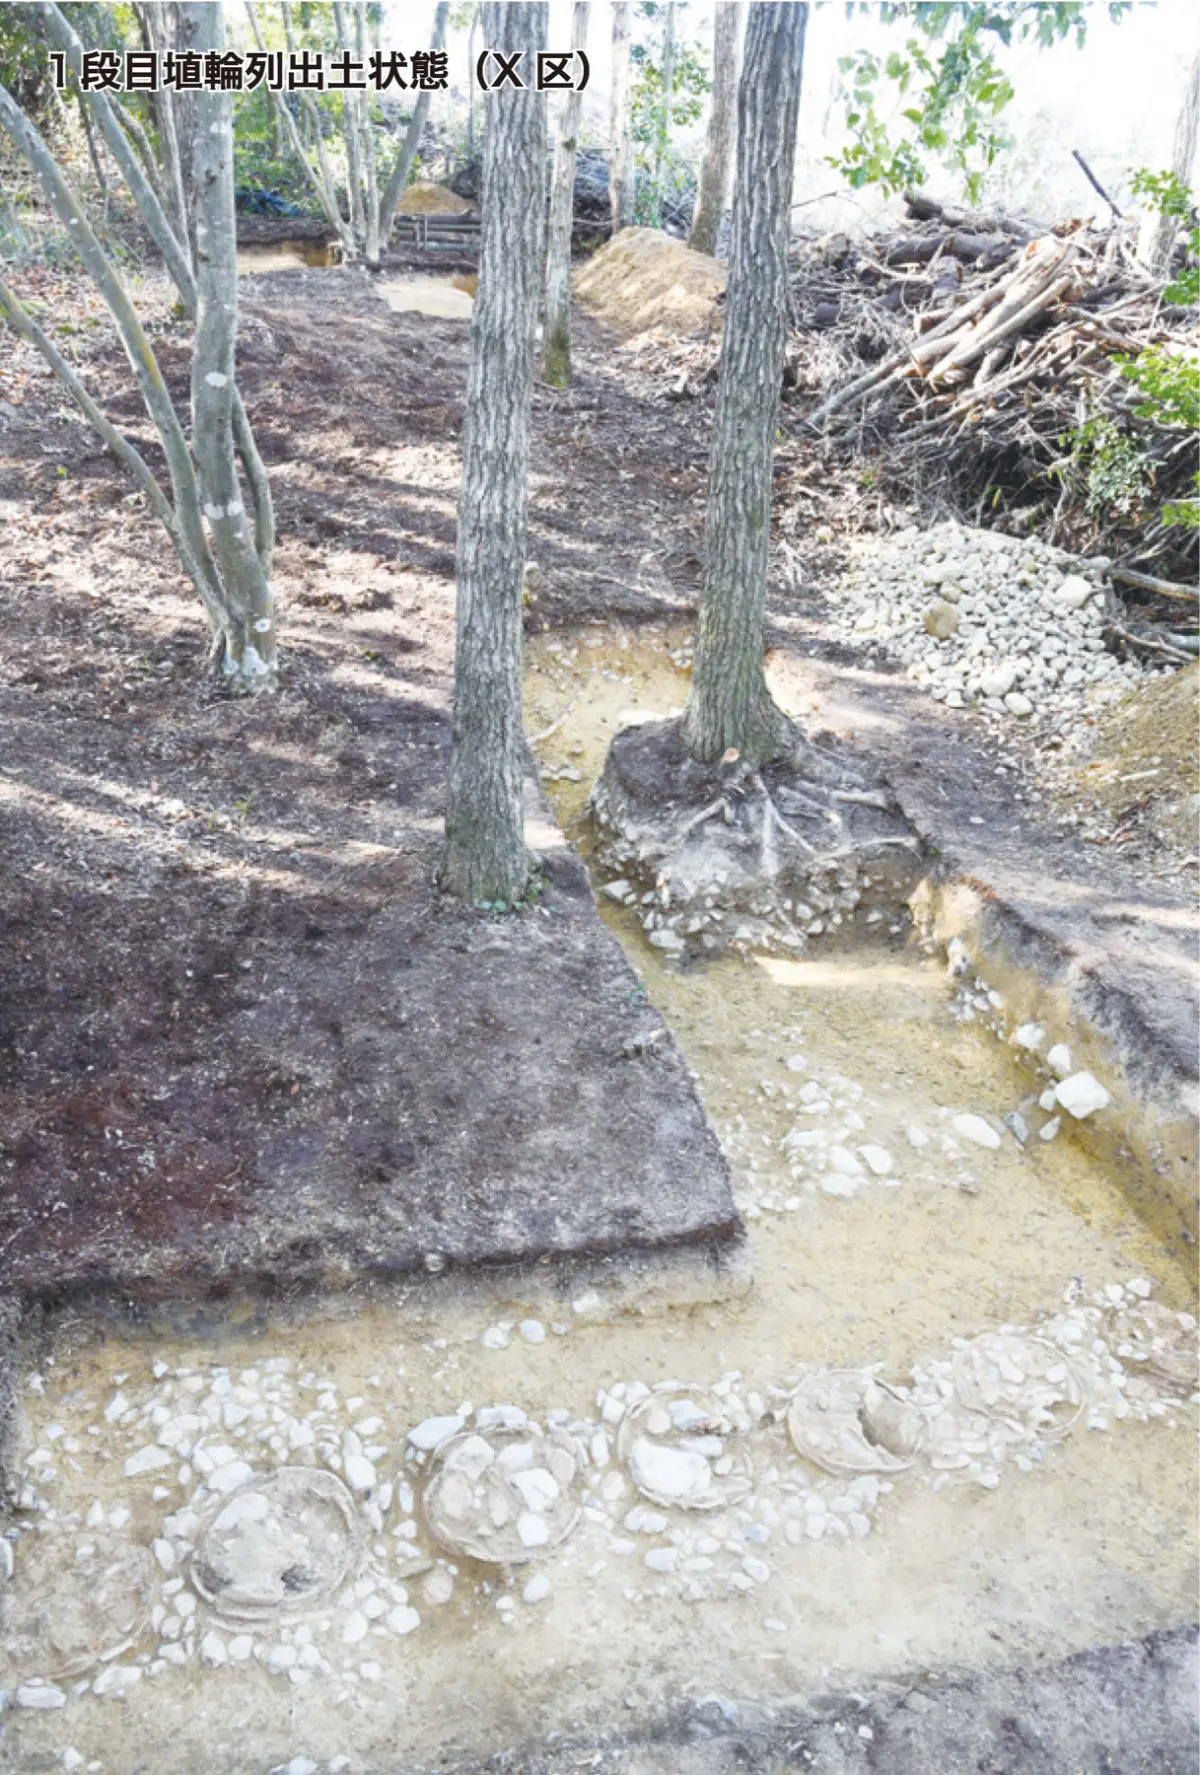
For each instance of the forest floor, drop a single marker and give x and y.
(208, 910)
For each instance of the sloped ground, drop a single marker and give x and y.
(245, 1041)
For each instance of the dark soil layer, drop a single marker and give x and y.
(243, 1039)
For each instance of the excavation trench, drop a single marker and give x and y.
(1029, 1495)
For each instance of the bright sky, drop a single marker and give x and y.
(1115, 100)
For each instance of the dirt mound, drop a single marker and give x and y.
(645, 279)
(1144, 763)
(424, 199)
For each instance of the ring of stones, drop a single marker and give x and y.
(1009, 1374)
(504, 1497)
(278, 1545)
(846, 1421)
(683, 1447)
(78, 1602)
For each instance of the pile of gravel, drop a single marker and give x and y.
(1012, 627)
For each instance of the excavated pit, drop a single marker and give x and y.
(948, 1429)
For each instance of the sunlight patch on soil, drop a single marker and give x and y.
(440, 296)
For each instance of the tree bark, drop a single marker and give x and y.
(664, 132)
(620, 149)
(485, 859)
(248, 649)
(350, 135)
(729, 18)
(160, 30)
(371, 196)
(414, 132)
(556, 334)
(1183, 159)
(730, 706)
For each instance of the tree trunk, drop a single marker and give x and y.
(412, 136)
(1183, 158)
(363, 99)
(471, 84)
(664, 132)
(729, 17)
(159, 29)
(350, 135)
(485, 858)
(730, 705)
(248, 650)
(620, 149)
(556, 348)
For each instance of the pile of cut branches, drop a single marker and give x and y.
(979, 362)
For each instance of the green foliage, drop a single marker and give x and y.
(691, 80)
(1171, 197)
(1168, 380)
(926, 103)
(1118, 478)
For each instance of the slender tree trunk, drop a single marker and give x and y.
(485, 858)
(248, 659)
(620, 134)
(412, 136)
(556, 335)
(664, 132)
(319, 176)
(159, 25)
(471, 83)
(350, 136)
(729, 18)
(1183, 159)
(371, 231)
(730, 705)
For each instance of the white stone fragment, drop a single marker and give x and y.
(495, 1338)
(430, 1433)
(300, 1766)
(38, 1694)
(533, 1331)
(231, 1476)
(146, 1460)
(1029, 1036)
(359, 1473)
(668, 1472)
(537, 1589)
(1059, 1059)
(533, 1529)
(878, 1158)
(1050, 1129)
(115, 1679)
(213, 1649)
(976, 1130)
(402, 1620)
(240, 1647)
(354, 1628)
(1081, 1094)
(916, 1136)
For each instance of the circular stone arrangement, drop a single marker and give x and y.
(683, 1447)
(847, 1422)
(1009, 1375)
(504, 1497)
(279, 1545)
(1012, 626)
(76, 1603)
(1155, 1343)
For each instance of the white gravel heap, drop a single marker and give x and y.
(1025, 620)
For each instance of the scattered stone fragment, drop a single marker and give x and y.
(537, 1589)
(533, 1331)
(1081, 1094)
(432, 1432)
(878, 1158)
(39, 1694)
(976, 1130)
(1049, 1129)
(1029, 1036)
(1059, 1059)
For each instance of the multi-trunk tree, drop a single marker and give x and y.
(485, 860)
(220, 520)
